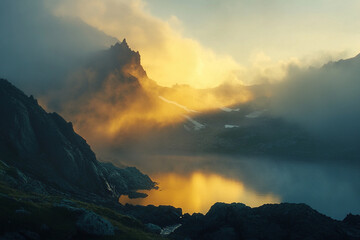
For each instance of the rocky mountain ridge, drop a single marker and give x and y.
(45, 147)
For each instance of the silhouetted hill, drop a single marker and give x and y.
(44, 147)
(270, 221)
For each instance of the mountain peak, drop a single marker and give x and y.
(121, 46)
(124, 43)
(120, 55)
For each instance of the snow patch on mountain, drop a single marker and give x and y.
(177, 104)
(255, 114)
(196, 125)
(230, 126)
(226, 109)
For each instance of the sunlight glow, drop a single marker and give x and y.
(121, 110)
(198, 191)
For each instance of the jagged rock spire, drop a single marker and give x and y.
(124, 42)
(123, 45)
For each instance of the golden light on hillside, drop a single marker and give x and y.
(193, 98)
(133, 108)
(198, 191)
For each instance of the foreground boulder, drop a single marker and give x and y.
(87, 222)
(162, 216)
(93, 224)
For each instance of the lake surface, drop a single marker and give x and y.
(198, 191)
(194, 183)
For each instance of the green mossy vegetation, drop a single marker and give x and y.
(21, 211)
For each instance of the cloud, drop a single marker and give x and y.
(110, 100)
(168, 56)
(323, 100)
(42, 49)
(47, 39)
(38, 49)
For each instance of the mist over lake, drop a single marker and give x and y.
(332, 188)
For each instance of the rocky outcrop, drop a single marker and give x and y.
(162, 216)
(44, 147)
(126, 180)
(93, 224)
(270, 221)
(120, 57)
(27, 215)
(351, 225)
(113, 76)
(153, 228)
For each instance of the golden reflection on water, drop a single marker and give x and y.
(198, 191)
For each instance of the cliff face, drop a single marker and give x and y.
(101, 96)
(44, 146)
(112, 76)
(120, 57)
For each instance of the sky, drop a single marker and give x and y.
(38, 49)
(201, 43)
(206, 43)
(280, 29)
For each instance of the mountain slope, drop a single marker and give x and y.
(35, 216)
(112, 101)
(44, 146)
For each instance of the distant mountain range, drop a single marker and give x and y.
(112, 101)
